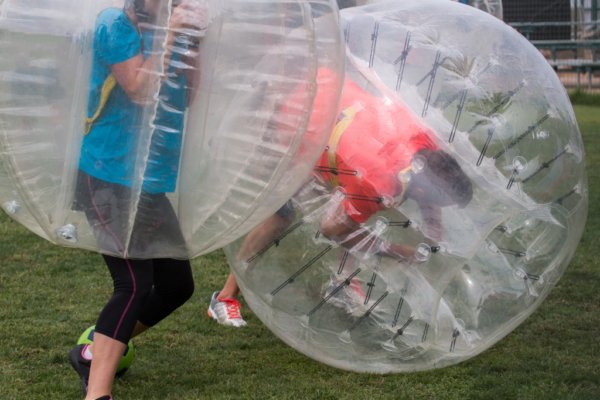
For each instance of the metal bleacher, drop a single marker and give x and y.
(567, 32)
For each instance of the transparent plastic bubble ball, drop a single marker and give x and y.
(493, 7)
(207, 128)
(390, 261)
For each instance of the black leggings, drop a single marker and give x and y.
(145, 290)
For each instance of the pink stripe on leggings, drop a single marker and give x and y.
(127, 262)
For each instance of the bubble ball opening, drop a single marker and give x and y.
(352, 298)
(207, 137)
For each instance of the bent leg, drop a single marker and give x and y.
(173, 286)
(267, 232)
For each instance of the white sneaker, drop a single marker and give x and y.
(226, 311)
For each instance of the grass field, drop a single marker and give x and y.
(49, 295)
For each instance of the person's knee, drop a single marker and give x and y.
(132, 279)
(132, 293)
(186, 291)
(176, 294)
(287, 220)
(136, 285)
(337, 226)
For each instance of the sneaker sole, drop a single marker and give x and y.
(213, 316)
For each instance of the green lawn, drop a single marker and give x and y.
(48, 295)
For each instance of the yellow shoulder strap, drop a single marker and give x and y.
(347, 117)
(107, 88)
(404, 177)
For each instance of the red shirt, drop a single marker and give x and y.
(378, 138)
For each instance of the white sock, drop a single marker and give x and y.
(87, 353)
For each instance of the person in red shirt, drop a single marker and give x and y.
(379, 155)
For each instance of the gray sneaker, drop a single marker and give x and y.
(226, 311)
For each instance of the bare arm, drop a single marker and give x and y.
(135, 76)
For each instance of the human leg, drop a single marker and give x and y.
(230, 289)
(224, 306)
(132, 281)
(184, 289)
(157, 226)
(264, 234)
(170, 283)
(173, 286)
(107, 353)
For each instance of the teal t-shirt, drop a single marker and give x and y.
(109, 150)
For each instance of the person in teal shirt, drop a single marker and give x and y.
(122, 117)
(109, 149)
